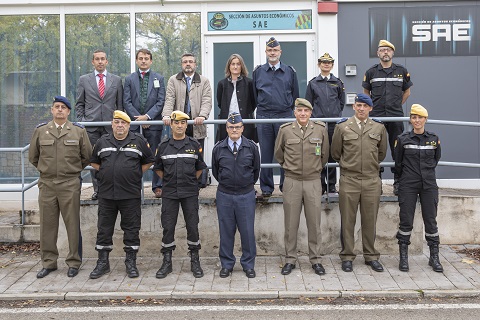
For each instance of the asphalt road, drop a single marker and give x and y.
(259, 310)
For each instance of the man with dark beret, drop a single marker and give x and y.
(236, 166)
(275, 87)
(60, 150)
(359, 144)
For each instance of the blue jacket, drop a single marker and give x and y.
(275, 91)
(236, 175)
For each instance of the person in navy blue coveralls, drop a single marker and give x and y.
(275, 88)
(236, 166)
(416, 156)
(143, 99)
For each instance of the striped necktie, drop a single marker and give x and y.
(101, 85)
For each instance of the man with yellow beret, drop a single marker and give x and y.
(120, 159)
(416, 156)
(388, 84)
(179, 162)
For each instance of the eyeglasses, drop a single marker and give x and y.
(234, 127)
(385, 49)
(272, 50)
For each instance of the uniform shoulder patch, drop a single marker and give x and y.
(376, 120)
(41, 124)
(342, 120)
(78, 125)
(293, 69)
(320, 123)
(286, 124)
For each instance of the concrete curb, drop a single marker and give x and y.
(308, 294)
(117, 295)
(33, 296)
(252, 295)
(451, 293)
(383, 294)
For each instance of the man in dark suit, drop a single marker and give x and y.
(143, 98)
(98, 94)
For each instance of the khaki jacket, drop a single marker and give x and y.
(302, 156)
(359, 155)
(59, 157)
(200, 99)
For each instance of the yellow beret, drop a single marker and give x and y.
(326, 57)
(299, 102)
(179, 115)
(419, 110)
(385, 43)
(117, 114)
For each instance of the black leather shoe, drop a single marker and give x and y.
(225, 272)
(44, 272)
(376, 266)
(250, 273)
(318, 269)
(95, 196)
(287, 268)
(347, 266)
(72, 272)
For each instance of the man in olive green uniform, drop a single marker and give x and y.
(302, 149)
(59, 150)
(359, 144)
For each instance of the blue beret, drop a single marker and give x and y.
(362, 97)
(234, 117)
(272, 42)
(63, 100)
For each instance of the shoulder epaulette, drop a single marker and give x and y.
(78, 125)
(342, 120)
(258, 66)
(320, 123)
(137, 134)
(41, 124)
(293, 69)
(286, 124)
(313, 79)
(376, 120)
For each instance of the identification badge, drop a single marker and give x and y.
(156, 83)
(318, 150)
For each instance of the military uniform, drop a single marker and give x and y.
(60, 157)
(386, 87)
(327, 97)
(416, 157)
(120, 185)
(359, 155)
(275, 92)
(302, 153)
(179, 160)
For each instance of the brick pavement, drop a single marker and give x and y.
(461, 278)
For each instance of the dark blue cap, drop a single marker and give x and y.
(234, 117)
(63, 100)
(272, 42)
(362, 97)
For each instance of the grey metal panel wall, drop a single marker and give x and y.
(447, 86)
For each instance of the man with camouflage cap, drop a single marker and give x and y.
(302, 150)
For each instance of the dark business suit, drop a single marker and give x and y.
(153, 108)
(90, 107)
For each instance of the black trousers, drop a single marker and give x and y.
(329, 180)
(407, 199)
(394, 129)
(169, 219)
(130, 212)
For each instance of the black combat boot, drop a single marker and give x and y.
(103, 265)
(403, 264)
(195, 262)
(434, 261)
(166, 267)
(131, 264)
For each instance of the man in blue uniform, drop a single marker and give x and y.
(416, 156)
(389, 85)
(236, 166)
(326, 93)
(143, 98)
(120, 159)
(275, 88)
(179, 163)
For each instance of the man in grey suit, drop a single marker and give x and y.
(143, 98)
(98, 94)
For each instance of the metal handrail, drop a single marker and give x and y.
(22, 150)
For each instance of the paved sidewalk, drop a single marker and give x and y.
(461, 279)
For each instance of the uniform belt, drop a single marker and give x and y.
(414, 146)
